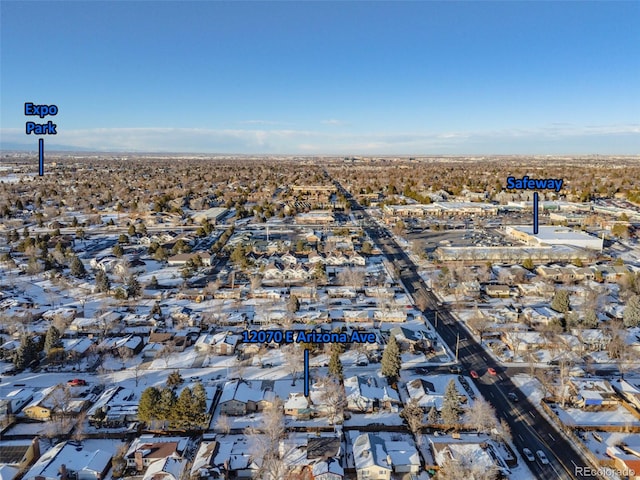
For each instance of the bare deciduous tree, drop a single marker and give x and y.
(333, 398)
(481, 416)
(465, 467)
(223, 424)
(413, 415)
(293, 361)
(265, 441)
(352, 277)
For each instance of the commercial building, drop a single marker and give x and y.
(555, 235)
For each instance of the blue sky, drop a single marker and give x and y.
(325, 77)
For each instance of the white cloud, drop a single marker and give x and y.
(334, 122)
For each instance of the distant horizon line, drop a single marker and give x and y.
(309, 155)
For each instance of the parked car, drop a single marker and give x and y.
(528, 454)
(77, 382)
(455, 368)
(543, 458)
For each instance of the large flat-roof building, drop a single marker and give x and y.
(211, 214)
(555, 235)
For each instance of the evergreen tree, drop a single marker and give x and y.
(77, 268)
(320, 272)
(166, 403)
(200, 403)
(118, 250)
(148, 406)
(183, 414)
(335, 365)
(391, 360)
(133, 286)
(26, 353)
(590, 319)
(560, 302)
(238, 256)
(180, 247)
(160, 254)
(528, 264)
(432, 416)
(174, 379)
(153, 283)
(52, 339)
(294, 304)
(451, 409)
(103, 284)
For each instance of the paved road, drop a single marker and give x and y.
(528, 428)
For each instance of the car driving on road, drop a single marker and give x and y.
(543, 458)
(528, 454)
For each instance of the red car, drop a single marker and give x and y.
(77, 382)
(492, 371)
(474, 374)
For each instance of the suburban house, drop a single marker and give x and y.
(404, 456)
(168, 468)
(629, 389)
(182, 258)
(13, 401)
(118, 404)
(626, 459)
(56, 400)
(242, 396)
(220, 343)
(204, 465)
(228, 459)
(409, 340)
(297, 405)
(472, 447)
(163, 339)
(72, 460)
(147, 449)
(17, 455)
(371, 458)
(593, 392)
(497, 291)
(593, 339)
(327, 470)
(365, 395)
(132, 344)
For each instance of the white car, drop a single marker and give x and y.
(543, 458)
(528, 454)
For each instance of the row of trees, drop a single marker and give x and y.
(164, 407)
